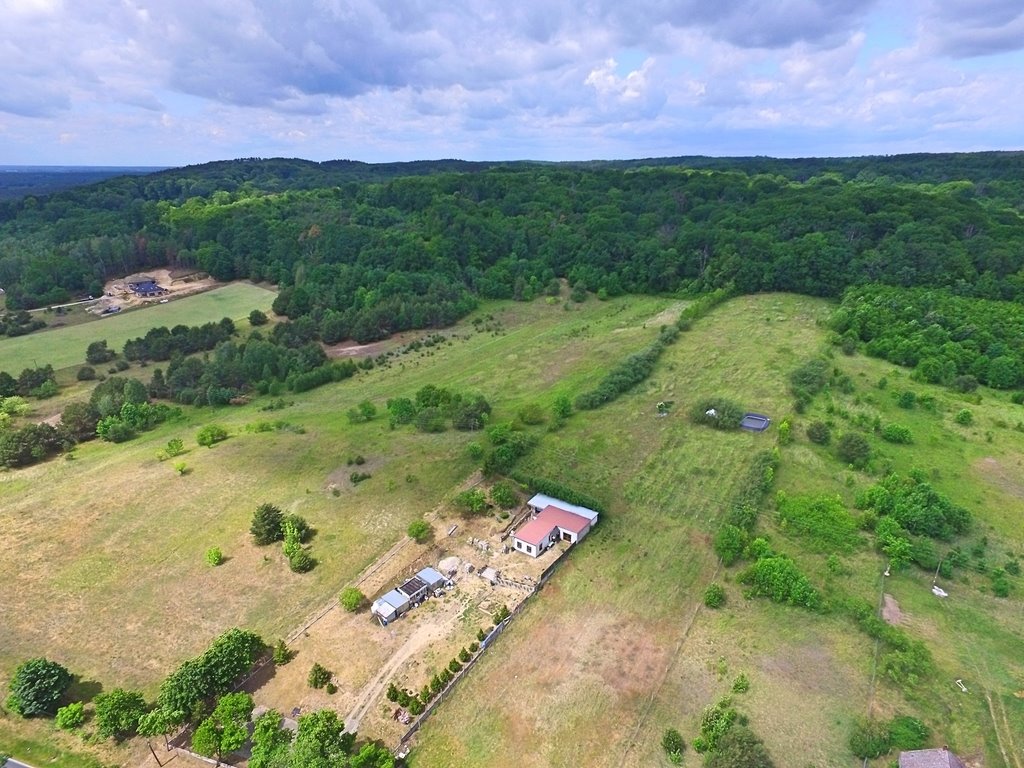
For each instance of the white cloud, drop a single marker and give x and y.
(163, 81)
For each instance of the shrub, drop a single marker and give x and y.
(908, 665)
(420, 531)
(352, 599)
(739, 747)
(715, 721)
(267, 524)
(118, 713)
(870, 739)
(778, 578)
(531, 413)
(730, 542)
(822, 520)
(211, 434)
(70, 717)
(811, 377)
(964, 417)
(257, 317)
(214, 556)
(86, 373)
(331, 689)
(1000, 584)
(907, 733)
(674, 746)
(319, 676)
(741, 684)
(854, 449)
(464, 656)
(504, 495)
(818, 432)
(282, 654)
(301, 561)
(714, 596)
(717, 412)
(454, 666)
(37, 686)
(965, 384)
(471, 502)
(896, 433)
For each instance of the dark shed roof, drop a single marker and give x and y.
(413, 586)
(930, 758)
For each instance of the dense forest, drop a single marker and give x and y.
(364, 251)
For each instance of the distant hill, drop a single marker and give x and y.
(21, 180)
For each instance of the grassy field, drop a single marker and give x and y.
(116, 538)
(63, 347)
(617, 647)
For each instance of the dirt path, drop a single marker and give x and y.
(423, 636)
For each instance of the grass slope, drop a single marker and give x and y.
(617, 648)
(63, 347)
(115, 538)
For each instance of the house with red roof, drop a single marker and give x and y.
(553, 520)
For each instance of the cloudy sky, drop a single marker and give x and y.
(170, 82)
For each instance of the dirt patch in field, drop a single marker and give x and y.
(997, 473)
(340, 480)
(891, 610)
(351, 349)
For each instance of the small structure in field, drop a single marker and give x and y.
(390, 606)
(552, 520)
(411, 593)
(930, 758)
(754, 422)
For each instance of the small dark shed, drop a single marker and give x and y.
(930, 758)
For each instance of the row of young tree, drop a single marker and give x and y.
(366, 259)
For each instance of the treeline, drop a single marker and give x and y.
(947, 339)
(365, 259)
(161, 344)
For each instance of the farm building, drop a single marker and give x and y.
(144, 285)
(412, 592)
(390, 606)
(552, 520)
(930, 758)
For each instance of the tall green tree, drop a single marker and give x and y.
(321, 741)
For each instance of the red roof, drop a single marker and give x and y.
(538, 529)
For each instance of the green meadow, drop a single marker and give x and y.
(64, 347)
(618, 646)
